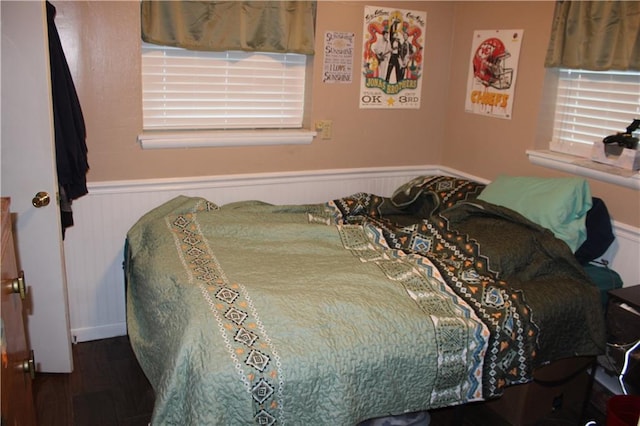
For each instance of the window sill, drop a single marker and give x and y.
(220, 138)
(584, 167)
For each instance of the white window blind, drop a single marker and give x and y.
(591, 105)
(195, 90)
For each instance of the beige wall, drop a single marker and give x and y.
(484, 145)
(487, 147)
(101, 40)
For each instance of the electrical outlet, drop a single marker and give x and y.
(325, 128)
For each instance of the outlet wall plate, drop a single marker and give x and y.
(324, 128)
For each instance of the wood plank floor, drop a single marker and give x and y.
(108, 388)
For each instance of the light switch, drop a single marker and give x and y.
(325, 129)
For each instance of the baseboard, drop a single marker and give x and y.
(98, 332)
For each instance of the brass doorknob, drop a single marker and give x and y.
(29, 366)
(41, 199)
(17, 285)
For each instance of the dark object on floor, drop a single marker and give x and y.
(548, 398)
(623, 410)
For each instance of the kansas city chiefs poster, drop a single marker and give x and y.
(492, 72)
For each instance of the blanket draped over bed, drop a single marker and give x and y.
(338, 312)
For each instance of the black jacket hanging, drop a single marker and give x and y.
(70, 132)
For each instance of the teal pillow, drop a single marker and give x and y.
(558, 204)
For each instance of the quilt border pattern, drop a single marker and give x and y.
(251, 350)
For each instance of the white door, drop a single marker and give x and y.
(28, 167)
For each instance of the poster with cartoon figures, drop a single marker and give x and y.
(392, 58)
(492, 72)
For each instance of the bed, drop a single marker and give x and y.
(360, 307)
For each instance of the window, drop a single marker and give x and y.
(186, 91)
(591, 105)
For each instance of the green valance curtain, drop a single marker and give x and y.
(263, 26)
(595, 35)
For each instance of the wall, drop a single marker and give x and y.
(102, 44)
(487, 147)
(101, 40)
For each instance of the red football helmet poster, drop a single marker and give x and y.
(492, 72)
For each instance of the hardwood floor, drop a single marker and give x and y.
(108, 388)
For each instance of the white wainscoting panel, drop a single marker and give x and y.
(94, 246)
(624, 254)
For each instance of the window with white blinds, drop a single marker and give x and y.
(591, 105)
(195, 90)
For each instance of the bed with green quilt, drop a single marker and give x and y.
(348, 310)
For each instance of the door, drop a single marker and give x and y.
(28, 167)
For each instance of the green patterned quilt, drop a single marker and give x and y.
(334, 313)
